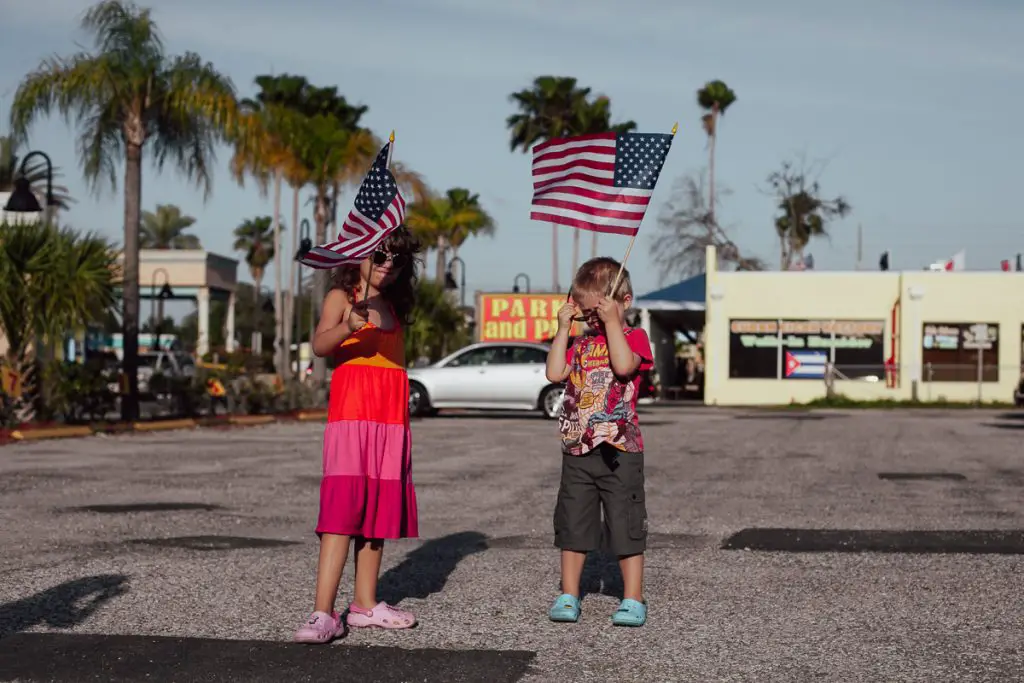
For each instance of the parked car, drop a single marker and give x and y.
(487, 376)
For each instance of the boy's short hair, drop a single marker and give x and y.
(597, 275)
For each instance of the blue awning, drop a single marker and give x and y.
(688, 295)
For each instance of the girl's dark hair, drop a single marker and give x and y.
(401, 292)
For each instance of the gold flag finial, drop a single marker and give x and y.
(392, 138)
(675, 127)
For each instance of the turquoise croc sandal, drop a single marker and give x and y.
(630, 613)
(566, 609)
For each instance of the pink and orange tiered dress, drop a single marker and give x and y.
(367, 487)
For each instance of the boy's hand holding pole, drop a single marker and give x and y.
(557, 369)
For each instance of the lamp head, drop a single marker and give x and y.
(22, 199)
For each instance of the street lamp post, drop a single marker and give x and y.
(515, 283)
(304, 246)
(165, 293)
(449, 280)
(22, 199)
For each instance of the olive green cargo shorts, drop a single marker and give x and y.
(606, 481)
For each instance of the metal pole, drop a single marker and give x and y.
(981, 378)
(312, 322)
(295, 322)
(462, 283)
(304, 246)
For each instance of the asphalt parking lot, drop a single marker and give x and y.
(824, 546)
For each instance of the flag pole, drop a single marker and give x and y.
(629, 247)
(391, 148)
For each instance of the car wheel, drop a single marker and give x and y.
(419, 401)
(551, 401)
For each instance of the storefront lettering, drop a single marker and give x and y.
(519, 317)
(854, 347)
(805, 342)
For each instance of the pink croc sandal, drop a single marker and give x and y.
(321, 627)
(382, 615)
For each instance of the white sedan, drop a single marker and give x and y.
(487, 376)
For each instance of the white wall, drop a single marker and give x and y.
(924, 297)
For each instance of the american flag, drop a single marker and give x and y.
(601, 182)
(379, 209)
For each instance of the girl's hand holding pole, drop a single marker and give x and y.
(358, 316)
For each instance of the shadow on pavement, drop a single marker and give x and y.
(787, 416)
(922, 476)
(534, 415)
(971, 542)
(66, 657)
(125, 508)
(1006, 425)
(601, 576)
(206, 543)
(425, 570)
(63, 606)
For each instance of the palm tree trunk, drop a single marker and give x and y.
(278, 289)
(442, 260)
(320, 216)
(130, 283)
(554, 258)
(575, 251)
(711, 163)
(257, 310)
(289, 304)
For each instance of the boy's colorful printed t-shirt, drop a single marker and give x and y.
(599, 407)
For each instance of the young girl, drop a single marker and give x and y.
(366, 494)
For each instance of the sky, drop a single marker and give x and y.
(913, 108)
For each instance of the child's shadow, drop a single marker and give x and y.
(425, 570)
(601, 576)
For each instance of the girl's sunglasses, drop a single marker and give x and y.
(382, 257)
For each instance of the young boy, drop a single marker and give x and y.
(602, 449)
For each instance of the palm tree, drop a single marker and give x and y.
(129, 96)
(438, 325)
(714, 98)
(445, 222)
(165, 229)
(477, 221)
(555, 107)
(268, 155)
(35, 173)
(255, 238)
(331, 151)
(595, 118)
(550, 108)
(55, 281)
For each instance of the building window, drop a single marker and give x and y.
(960, 352)
(802, 349)
(754, 349)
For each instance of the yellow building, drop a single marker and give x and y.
(771, 337)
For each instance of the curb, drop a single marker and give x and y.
(159, 425)
(51, 433)
(184, 423)
(251, 419)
